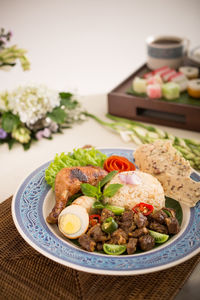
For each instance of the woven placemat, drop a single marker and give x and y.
(26, 274)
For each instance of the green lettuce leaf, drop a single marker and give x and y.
(79, 157)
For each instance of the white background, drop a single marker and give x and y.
(89, 46)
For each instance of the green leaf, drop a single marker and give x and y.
(171, 203)
(89, 190)
(69, 104)
(9, 121)
(98, 205)
(107, 178)
(67, 101)
(27, 145)
(58, 115)
(11, 142)
(64, 95)
(111, 190)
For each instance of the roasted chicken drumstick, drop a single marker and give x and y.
(68, 182)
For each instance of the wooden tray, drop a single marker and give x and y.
(181, 113)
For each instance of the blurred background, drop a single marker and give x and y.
(90, 46)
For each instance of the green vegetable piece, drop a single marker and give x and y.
(109, 225)
(111, 190)
(167, 212)
(159, 237)
(107, 178)
(90, 190)
(97, 205)
(114, 249)
(9, 121)
(117, 210)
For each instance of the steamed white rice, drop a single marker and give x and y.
(149, 191)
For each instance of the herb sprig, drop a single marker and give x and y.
(98, 192)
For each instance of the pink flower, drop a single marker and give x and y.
(39, 135)
(46, 133)
(43, 133)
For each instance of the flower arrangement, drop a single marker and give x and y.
(34, 112)
(9, 55)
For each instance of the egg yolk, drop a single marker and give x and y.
(70, 223)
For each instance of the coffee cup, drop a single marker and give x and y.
(166, 51)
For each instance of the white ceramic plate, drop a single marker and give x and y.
(33, 201)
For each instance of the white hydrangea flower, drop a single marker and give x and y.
(32, 102)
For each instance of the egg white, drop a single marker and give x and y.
(79, 212)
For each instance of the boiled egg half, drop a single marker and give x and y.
(73, 221)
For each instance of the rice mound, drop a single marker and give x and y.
(149, 191)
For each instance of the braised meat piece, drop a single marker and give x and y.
(131, 246)
(158, 227)
(99, 246)
(106, 213)
(171, 211)
(159, 216)
(172, 225)
(86, 242)
(97, 234)
(127, 217)
(146, 242)
(119, 237)
(127, 221)
(140, 220)
(139, 232)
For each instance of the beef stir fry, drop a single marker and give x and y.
(129, 232)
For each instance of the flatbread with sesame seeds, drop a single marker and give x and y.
(164, 162)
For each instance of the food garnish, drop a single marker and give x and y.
(130, 178)
(109, 225)
(94, 219)
(96, 191)
(144, 208)
(114, 249)
(117, 210)
(159, 237)
(118, 163)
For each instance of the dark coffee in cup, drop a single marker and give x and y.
(165, 51)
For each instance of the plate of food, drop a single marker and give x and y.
(112, 211)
